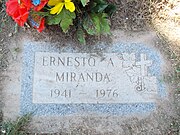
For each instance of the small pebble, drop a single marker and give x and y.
(10, 34)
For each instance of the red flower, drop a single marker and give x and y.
(26, 3)
(41, 5)
(41, 26)
(18, 11)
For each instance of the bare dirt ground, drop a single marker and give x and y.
(162, 16)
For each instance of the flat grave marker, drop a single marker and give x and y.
(87, 78)
(121, 79)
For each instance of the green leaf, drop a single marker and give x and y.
(96, 24)
(95, 19)
(100, 8)
(64, 19)
(81, 36)
(111, 8)
(100, 1)
(104, 23)
(89, 25)
(54, 19)
(84, 2)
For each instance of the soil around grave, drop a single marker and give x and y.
(129, 19)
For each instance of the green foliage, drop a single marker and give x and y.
(90, 25)
(94, 19)
(99, 5)
(64, 19)
(84, 2)
(15, 127)
(81, 36)
(110, 9)
(96, 23)
(102, 6)
(91, 17)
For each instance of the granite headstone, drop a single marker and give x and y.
(123, 78)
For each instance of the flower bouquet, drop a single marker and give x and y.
(87, 16)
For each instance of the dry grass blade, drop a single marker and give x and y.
(15, 127)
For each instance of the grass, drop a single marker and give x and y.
(15, 127)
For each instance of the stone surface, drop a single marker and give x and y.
(119, 79)
(88, 78)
